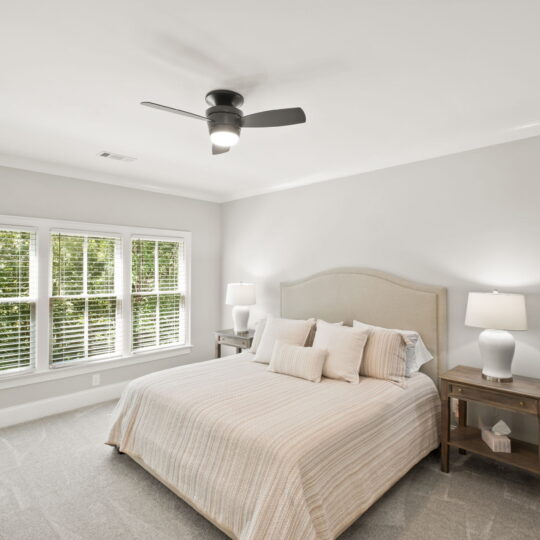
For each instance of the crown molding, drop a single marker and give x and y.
(516, 134)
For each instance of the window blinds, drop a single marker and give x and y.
(17, 302)
(84, 304)
(158, 292)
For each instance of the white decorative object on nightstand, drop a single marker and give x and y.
(497, 313)
(240, 295)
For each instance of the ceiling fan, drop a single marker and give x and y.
(225, 119)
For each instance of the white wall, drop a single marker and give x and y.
(469, 221)
(25, 193)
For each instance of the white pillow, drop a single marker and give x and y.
(345, 346)
(291, 331)
(259, 331)
(311, 337)
(304, 362)
(416, 353)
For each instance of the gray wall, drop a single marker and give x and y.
(469, 221)
(25, 193)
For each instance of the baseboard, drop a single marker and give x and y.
(18, 414)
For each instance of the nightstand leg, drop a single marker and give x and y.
(462, 411)
(218, 350)
(445, 428)
(238, 350)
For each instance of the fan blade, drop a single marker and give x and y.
(277, 117)
(175, 111)
(219, 149)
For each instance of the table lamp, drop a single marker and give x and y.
(497, 313)
(240, 295)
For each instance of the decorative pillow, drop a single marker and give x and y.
(291, 331)
(384, 355)
(416, 354)
(259, 331)
(345, 346)
(311, 337)
(304, 362)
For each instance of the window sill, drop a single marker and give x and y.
(33, 376)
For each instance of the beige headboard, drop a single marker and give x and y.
(374, 297)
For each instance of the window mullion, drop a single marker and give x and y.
(156, 287)
(85, 291)
(125, 291)
(186, 287)
(43, 268)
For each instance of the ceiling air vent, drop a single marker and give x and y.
(116, 157)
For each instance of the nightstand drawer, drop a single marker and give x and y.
(498, 399)
(240, 341)
(234, 341)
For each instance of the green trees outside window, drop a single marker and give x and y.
(84, 305)
(158, 285)
(16, 303)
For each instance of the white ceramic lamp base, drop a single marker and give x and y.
(497, 350)
(240, 315)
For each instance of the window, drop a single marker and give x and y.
(84, 307)
(158, 293)
(17, 302)
(89, 297)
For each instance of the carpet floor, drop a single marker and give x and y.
(59, 481)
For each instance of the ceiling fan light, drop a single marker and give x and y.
(224, 138)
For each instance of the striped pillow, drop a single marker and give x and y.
(416, 353)
(304, 362)
(384, 355)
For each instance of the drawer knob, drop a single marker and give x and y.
(521, 404)
(459, 389)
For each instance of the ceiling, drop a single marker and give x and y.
(382, 83)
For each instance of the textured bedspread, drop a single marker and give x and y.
(268, 456)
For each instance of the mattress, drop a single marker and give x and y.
(268, 456)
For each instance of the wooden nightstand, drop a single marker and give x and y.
(228, 337)
(466, 384)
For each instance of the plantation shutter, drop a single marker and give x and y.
(158, 293)
(17, 302)
(85, 303)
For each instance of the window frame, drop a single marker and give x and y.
(157, 292)
(118, 293)
(43, 228)
(31, 300)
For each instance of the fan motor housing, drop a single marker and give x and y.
(224, 118)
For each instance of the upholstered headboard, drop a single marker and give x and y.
(374, 297)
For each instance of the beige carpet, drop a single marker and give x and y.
(58, 480)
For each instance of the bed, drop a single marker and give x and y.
(267, 456)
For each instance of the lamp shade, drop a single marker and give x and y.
(497, 311)
(240, 294)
